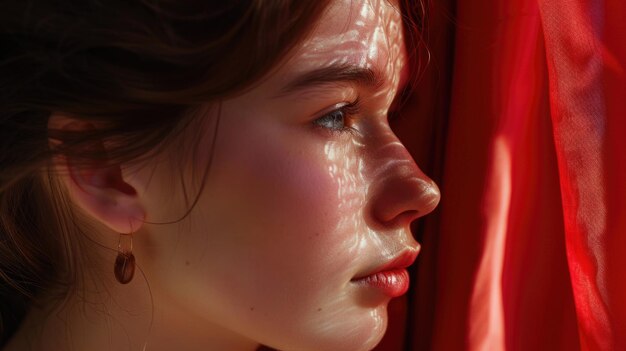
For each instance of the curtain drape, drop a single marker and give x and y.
(520, 117)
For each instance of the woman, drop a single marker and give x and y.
(196, 176)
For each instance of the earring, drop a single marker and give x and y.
(125, 261)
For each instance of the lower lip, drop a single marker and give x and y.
(392, 283)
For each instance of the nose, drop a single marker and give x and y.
(400, 192)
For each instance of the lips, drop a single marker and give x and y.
(391, 278)
(405, 259)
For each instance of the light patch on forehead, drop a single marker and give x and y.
(368, 36)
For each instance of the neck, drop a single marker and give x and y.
(126, 317)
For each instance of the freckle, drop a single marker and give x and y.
(187, 263)
(251, 308)
(319, 309)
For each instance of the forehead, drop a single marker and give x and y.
(363, 33)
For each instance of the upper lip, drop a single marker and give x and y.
(402, 260)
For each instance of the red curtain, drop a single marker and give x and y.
(521, 119)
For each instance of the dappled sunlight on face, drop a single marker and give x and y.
(296, 207)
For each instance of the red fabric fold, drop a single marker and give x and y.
(520, 118)
(586, 56)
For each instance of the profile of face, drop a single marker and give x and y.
(308, 189)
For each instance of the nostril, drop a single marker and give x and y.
(405, 218)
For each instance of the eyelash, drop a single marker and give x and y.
(348, 110)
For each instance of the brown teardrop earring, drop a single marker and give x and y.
(125, 261)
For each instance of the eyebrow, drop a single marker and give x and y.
(336, 73)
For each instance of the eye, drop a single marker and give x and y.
(336, 121)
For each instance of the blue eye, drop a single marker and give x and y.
(335, 121)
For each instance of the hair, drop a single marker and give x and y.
(137, 70)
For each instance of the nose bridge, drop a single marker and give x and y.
(392, 155)
(400, 192)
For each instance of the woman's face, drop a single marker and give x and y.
(308, 189)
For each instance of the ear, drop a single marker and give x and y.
(98, 187)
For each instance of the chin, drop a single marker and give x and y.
(375, 334)
(362, 334)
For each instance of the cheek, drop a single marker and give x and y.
(289, 201)
(285, 228)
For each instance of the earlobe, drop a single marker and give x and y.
(98, 187)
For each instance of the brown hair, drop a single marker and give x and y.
(138, 70)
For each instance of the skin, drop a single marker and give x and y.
(290, 213)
